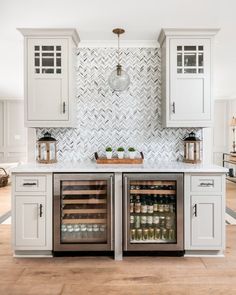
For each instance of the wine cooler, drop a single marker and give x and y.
(153, 212)
(83, 212)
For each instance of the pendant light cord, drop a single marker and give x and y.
(118, 49)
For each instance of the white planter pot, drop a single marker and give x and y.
(120, 155)
(132, 154)
(109, 155)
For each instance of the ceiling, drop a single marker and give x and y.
(95, 19)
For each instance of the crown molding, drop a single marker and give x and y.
(123, 44)
(42, 32)
(172, 32)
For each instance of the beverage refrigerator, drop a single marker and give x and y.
(83, 210)
(153, 212)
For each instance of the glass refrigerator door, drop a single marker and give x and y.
(152, 211)
(84, 211)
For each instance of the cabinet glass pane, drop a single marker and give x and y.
(190, 48)
(36, 62)
(179, 71)
(47, 71)
(58, 71)
(58, 48)
(47, 48)
(200, 48)
(152, 208)
(190, 71)
(200, 71)
(179, 59)
(200, 59)
(36, 48)
(84, 211)
(47, 62)
(58, 62)
(190, 60)
(179, 48)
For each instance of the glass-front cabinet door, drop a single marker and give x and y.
(153, 212)
(82, 212)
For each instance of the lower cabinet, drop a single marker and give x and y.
(204, 212)
(30, 221)
(32, 213)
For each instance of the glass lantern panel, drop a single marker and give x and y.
(52, 151)
(43, 151)
(190, 150)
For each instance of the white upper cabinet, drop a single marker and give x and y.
(50, 77)
(186, 61)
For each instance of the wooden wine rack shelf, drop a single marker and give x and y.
(152, 182)
(85, 201)
(84, 221)
(84, 211)
(84, 192)
(84, 182)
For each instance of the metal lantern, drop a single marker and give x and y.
(192, 152)
(47, 151)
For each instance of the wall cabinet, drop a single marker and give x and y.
(50, 77)
(186, 77)
(204, 212)
(32, 212)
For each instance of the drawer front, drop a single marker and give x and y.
(206, 183)
(30, 183)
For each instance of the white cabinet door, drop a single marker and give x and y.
(206, 221)
(48, 89)
(30, 212)
(190, 94)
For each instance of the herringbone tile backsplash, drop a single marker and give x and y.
(130, 118)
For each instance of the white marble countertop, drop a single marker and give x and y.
(90, 166)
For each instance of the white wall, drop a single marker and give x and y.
(95, 20)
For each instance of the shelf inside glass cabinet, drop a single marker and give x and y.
(84, 211)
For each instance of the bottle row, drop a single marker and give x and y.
(148, 204)
(83, 231)
(84, 216)
(150, 234)
(138, 221)
(152, 187)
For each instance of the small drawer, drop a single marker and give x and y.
(206, 183)
(30, 183)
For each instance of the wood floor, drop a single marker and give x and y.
(102, 275)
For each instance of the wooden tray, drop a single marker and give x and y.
(119, 161)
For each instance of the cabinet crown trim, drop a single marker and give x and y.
(172, 32)
(46, 32)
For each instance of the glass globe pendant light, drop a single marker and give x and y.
(119, 80)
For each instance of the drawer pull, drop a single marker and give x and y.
(29, 183)
(40, 210)
(206, 184)
(195, 210)
(63, 107)
(173, 107)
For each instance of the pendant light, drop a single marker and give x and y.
(119, 80)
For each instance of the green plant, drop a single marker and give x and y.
(120, 149)
(131, 149)
(108, 149)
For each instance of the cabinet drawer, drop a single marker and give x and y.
(206, 183)
(30, 183)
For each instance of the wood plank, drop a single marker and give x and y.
(88, 221)
(75, 211)
(85, 201)
(84, 192)
(119, 161)
(152, 192)
(84, 182)
(151, 182)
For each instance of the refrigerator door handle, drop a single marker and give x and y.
(125, 213)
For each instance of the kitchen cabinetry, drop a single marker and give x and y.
(186, 61)
(204, 212)
(32, 212)
(50, 77)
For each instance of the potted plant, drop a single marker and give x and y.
(120, 152)
(132, 152)
(109, 152)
